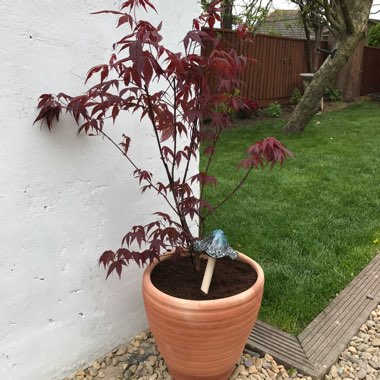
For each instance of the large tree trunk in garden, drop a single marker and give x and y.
(227, 16)
(349, 79)
(309, 104)
(346, 43)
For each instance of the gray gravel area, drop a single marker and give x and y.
(361, 359)
(140, 360)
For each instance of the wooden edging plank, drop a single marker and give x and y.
(344, 299)
(327, 326)
(330, 354)
(300, 358)
(284, 347)
(322, 340)
(317, 348)
(292, 346)
(337, 301)
(288, 361)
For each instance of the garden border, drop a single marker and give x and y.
(318, 347)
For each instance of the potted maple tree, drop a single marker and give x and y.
(200, 333)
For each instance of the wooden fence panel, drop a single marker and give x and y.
(276, 73)
(370, 71)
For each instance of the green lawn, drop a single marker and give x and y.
(312, 224)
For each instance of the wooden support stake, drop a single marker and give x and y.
(208, 274)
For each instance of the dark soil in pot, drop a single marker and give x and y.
(178, 278)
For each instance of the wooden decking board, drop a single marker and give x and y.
(325, 326)
(339, 331)
(319, 356)
(270, 336)
(284, 347)
(349, 329)
(300, 362)
(323, 339)
(331, 357)
(289, 353)
(319, 345)
(329, 324)
(342, 298)
(275, 347)
(274, 332)
(373, 266)
(362, 284)
(303, 366)
(292, 346)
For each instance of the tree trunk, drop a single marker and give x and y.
(309, 104)
(349, 79)
(309, 52)
(345, 45)
(227, 17)
(318, 40)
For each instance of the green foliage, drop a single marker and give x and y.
(292, 372)
(374, 35)
(205, 4)
(273, 110)
(296, 96)
(251, 13)
(332, 94)
(312, 225)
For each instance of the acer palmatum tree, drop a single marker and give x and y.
(175, 113)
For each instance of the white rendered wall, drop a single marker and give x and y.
(65, 199)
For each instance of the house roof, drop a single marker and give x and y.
(285, 23)
(288, 23)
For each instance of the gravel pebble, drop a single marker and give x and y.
(140, 360)
(361, 359)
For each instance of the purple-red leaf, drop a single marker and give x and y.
(142, 175)
(50, 109)
(125, 144)
(107, 258)
(208, 151)
(270, 150)
(125, 18)
(117, 265)
(94, 70)
(203, 179)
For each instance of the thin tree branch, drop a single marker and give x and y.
(170, 178)
(210, 158)
(331, 16)
(350, 28)
(240, 184)
(175, 127)
(192, 142)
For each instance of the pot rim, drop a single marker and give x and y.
(245, 296)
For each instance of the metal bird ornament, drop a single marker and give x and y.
(215, 245)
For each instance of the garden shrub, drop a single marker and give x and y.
(374, 36)
(273, 110)
(296, 96)
(249, 107)
(332, 94)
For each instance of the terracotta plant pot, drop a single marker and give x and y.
(202, 340)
